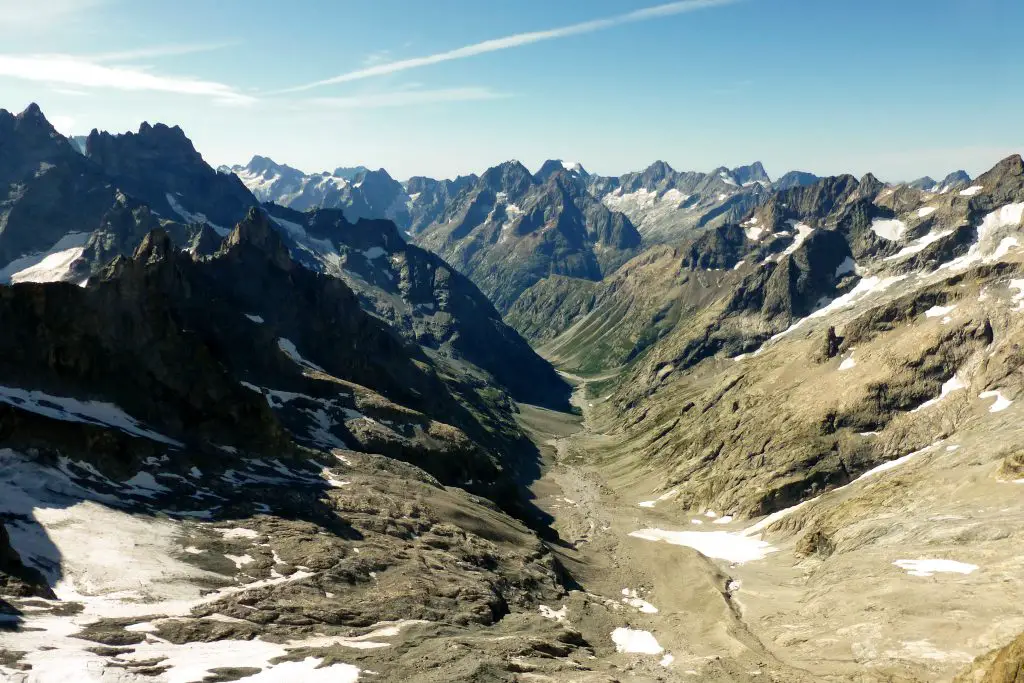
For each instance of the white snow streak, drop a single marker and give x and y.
(930, 567)
(73, 410)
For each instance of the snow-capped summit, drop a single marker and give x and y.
(552, 166)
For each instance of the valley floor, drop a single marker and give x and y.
(760, 611)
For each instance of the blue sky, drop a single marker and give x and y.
(901, 88)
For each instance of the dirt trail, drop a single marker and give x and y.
(674, 593)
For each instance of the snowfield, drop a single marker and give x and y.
(721, 545)
(133, 570)
(53, 265)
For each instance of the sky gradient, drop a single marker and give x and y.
(900, 88)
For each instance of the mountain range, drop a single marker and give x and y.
(262, 425)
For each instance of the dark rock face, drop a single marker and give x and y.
(159, 166)
(429, 198)
(809, 202)
(49, 189)
(428, 302)
(754, 173)
(1004, 183)
(166, 335)
(793, 289)
(510, 230)
(716, 249)
(443, 310)
(830, 346)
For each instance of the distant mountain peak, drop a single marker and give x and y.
(572, 166)
(256, 231)
(660, 168)
(752, 173)
(349, 172)
(32, 118)
(155, 246)
(379, 174)
(509, 176)
(922, 183)
(956, 178)
(261, 165)
(32, 111)
(553, 166)
(795, 179)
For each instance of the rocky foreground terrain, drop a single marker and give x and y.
(257, 442)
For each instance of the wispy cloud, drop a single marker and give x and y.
(518, 40)
(79, 72)
(71, 92)
(21, 15)
(156, 51)
(377, 57)
(404, 98)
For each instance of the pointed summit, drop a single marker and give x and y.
(260, 164)
(256, 232)
(155, 246)
(510, 177)
(659, 169)
(32, 118)
(956, 179)
(32, 111)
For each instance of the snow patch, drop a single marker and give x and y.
(73, 410)
(938, 311)
(930, 567)
(803, 231)
(919, 244)
(889, 229)
(190, 217)
(971, 191)
(240, 560)
(640, 642)
(288, 348)
(237, 533)
(632, 598)
(559, 615)
(1001, 402)
(722, 545)
(891, 464)
(847, 266)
